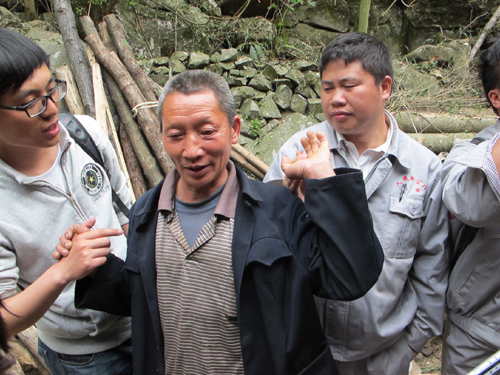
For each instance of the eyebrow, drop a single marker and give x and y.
(345, 79)
(25, 93)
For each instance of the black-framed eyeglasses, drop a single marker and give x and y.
(39, 105)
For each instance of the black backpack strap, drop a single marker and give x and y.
(85, 141)
(477, 140)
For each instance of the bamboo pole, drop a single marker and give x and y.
(251, 158)
(364, 14)
(236, 157)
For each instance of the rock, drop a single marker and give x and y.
(261, 83)
(215, 58)
(8, 19)
(198, 60)
(269, 109)
(405, 77)
(269, 145)
(325, 15)
(296, 77)
(270, 72)
(248, 72)
(216, 68)
(306, 91)
(304, 65)
(314, 108)
(283, 81)
(159, 61)
(233, 81)
(244, 92)
(249, 109)
(228, 65)
(283, 97)
(298, 103)
(176, 66)
(311, 78)
(248, 30)
(229, 55)
(244, 61)
(180, 55)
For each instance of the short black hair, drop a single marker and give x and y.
(372, 53)
(489, 69)
(19, 58)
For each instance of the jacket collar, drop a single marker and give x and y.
(398, 148)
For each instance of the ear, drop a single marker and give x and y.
(235, 130)
(386, 87)
(494, 96)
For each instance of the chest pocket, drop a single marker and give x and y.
(267, 251)
(403, 226)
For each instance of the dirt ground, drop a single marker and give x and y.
(428, 361)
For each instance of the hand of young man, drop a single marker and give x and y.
(88, 251)
(65, 240)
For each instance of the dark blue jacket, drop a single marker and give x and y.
(280, 257)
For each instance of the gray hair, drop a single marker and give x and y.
(194, 81)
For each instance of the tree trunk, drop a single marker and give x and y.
(146, 160)
(134, 169)
(77, 58)
(364, 14)
(126, 56)
(30, 10)
(443, 142)
(441, 123)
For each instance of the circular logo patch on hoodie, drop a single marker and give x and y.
(91, 179)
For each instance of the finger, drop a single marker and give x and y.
(307, 145)
(102, 232)
(285, 162)
(63, 248)
(313, 140)
(56, 255)
(323, 139)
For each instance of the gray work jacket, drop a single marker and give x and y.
(404, 198)
(473, 298)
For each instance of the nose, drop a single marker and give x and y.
(338, 98)
(192, 147)
(51, 110)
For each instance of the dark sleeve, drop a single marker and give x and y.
(108, 291)
(344, 255)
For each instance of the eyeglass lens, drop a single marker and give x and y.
(40, 104)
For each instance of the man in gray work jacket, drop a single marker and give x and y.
(382, 331)
(471, 191)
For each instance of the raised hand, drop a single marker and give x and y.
(315, 165)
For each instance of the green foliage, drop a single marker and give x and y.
(255, 127)
(281, 9)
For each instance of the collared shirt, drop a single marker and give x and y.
(369, 157)
(196, 295)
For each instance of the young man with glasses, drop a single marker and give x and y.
(47, 183)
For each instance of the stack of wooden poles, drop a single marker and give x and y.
(139, 143)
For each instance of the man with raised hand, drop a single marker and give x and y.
(221, 269)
